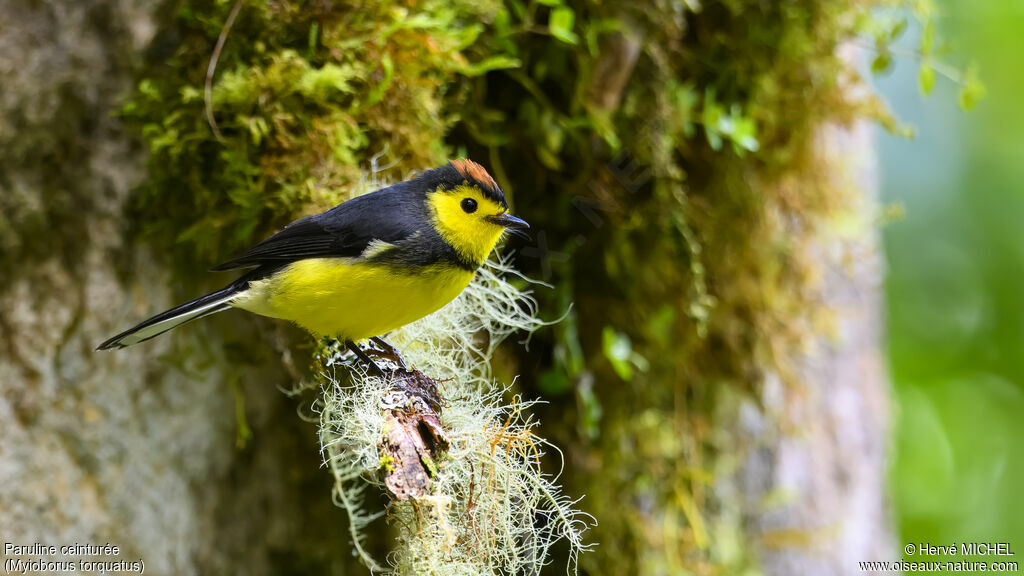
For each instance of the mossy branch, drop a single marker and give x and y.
(489, 507)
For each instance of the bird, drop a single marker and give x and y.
(365, 267)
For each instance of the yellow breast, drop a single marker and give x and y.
(352, 299)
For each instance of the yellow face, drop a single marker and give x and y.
(461, 216)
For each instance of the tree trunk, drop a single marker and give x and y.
(822, 444)
(135, 448)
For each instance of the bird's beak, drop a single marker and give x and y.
(508, 221)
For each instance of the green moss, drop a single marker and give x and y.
(303, 93)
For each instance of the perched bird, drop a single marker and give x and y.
(368, 265)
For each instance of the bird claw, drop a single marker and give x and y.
(384, 351)
(409, 384)
(387, 352)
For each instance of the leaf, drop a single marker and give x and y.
(592, 410)
(561, 23)
(502, 23)
(553, 132)
(605, 127)
(898, 29)
(499, 62)
(617, 349)
(314, 35)
(327, 82)
(927, 38)
(710, 118)
(191, 94)
(973, 89)
(926, 78)
(744, 135)
(881, 63)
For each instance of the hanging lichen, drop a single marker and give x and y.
(488, 508)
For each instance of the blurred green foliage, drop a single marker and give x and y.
(954, 290)
(887, 25)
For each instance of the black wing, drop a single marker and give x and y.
(389, 215)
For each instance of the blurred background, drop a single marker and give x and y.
(955, 288)
(701, 185)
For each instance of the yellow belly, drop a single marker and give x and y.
(350, 299)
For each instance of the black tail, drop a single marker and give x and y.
(198, 308)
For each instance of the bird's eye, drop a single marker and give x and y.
(468, 205)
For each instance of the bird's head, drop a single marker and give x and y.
(469, 209)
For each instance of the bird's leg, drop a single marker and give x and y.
(388, 351)
(364, 358)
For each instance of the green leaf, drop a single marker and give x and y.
(191, 94)
(617, 349)
(927, 38)
(973, 89)
(744, 135)
(881, 63)
(327, 82)
(591, 408)
(926, 78)
(499, 62)
(518, 8)
(561, 23)
(898, 29)
(710, 118)
(314, 34)
(502, 23)
(605, 127)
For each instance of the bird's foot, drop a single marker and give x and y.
(370, 364)
(408, 383)
(388, 352)
(384, 351)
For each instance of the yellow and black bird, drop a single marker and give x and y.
(368, 265)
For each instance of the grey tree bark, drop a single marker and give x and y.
(135, 448)
(821, 460)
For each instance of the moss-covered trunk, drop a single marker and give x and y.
(690, 174)
(717, 382)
